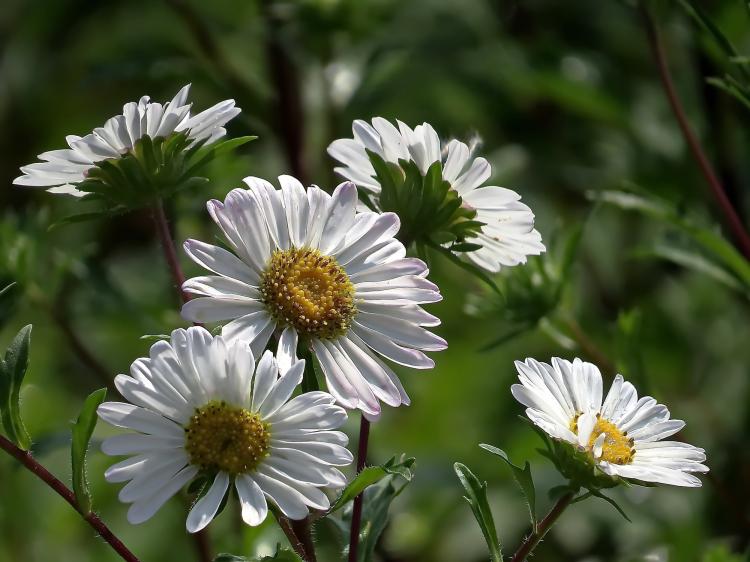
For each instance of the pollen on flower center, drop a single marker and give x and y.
(310, 291)
(617, 447)
(226, 438)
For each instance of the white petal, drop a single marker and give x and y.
(205, 508)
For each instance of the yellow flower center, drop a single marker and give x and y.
(617, 448)
(310, 291)
(226, 438)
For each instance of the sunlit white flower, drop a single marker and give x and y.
(60, 170)
(312, 269)
(624, 435)
(202, 406)
(507, 236)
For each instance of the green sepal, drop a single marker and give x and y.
(154, 169)
(81, 430)
(476, 496)
(13, 369)
(426, 205)
(522, 477)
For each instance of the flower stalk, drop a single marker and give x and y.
(364, 436)
(535, 537)
(730, 214)
(170, 254)
(31, 464)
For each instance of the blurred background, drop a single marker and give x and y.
(566, 98)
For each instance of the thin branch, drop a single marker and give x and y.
(290, 118)
(167, 244)
(364, 436)
(588, 346)
(303, 530)
(533, 539)
(660, 58)
(297, 545)
(28, 461)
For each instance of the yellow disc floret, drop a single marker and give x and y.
(226, 438)
(617, 447)
(303, 288)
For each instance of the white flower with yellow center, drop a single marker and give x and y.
(623, 435)
(507, 236)
(201, 406)
(311, 268)
(60, 170)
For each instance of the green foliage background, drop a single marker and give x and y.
(567, 101)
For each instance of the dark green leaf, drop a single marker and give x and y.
(522, 477)
(82, 429)
(477, 497)
(12, 371)
(371, 475)
(714, 243)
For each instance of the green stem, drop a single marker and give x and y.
(535, 537)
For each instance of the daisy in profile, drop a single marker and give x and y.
(309, 268)
(201, 406)
(505, 235)
(623, 435)
(61, 170)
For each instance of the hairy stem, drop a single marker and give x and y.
(535, 537)
(730, 214)
(294, 540)
(303, 530)
(170, 254)
(28, 461)
(364, 435)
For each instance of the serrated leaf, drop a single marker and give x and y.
(522, 477)
(81, 430)
(12, 371)
(372, 475)
(477, 498)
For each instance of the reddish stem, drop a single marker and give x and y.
(364, 435)
(167, 244)
(730, 214)
(25, 458)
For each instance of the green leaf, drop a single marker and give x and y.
(12, 371)
(471, 268)
(613, 503)
(282, 554)
(522, 477)
(696, 262)
(722, 250)
(155, 337)
(82, 429)
(370, 476)
(477, 497)
(697, 13)
(310, 376)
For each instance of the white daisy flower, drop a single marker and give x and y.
(507, 236)
(623, 435)
(311, 268)
(201, 406)
(61, 170)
